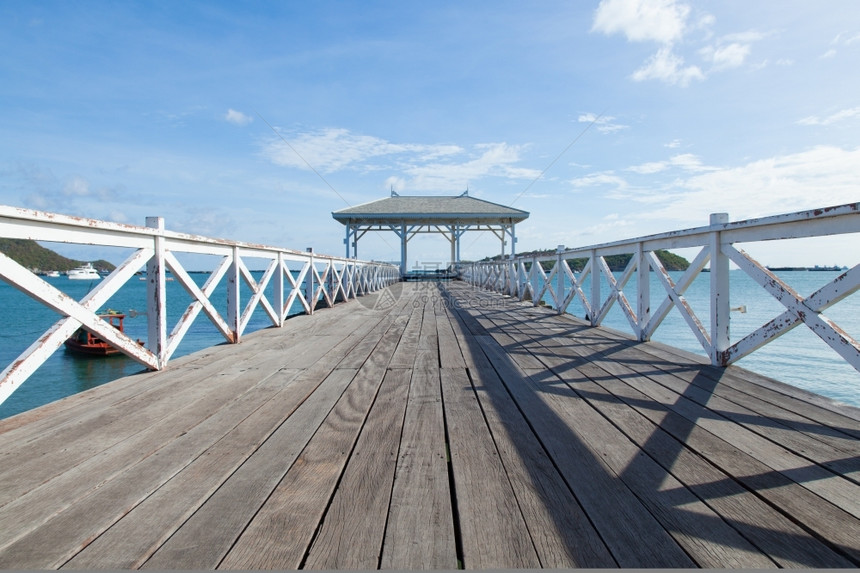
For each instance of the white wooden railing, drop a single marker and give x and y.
(525, 278)
(308, 278)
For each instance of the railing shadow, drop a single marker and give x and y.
(682, 510)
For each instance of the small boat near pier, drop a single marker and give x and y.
(85, 342)
(85, 272)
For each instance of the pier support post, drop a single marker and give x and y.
(403, 239)
(234, 314)
(156, 295)
(346, 239)
(559, 280)
(720, 307)
(643, 288)
(309, 282)
(595, 288)
(280, 301)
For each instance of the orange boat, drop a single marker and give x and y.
(85, 342)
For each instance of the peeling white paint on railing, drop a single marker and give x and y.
(321, 279)
(526, 279)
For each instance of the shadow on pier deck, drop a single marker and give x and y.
(444, 427)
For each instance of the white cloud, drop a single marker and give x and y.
(604, 123)
(685, 161)
(689, 162)
(819, 177)
(495, 160)
(729, 56)
(206, 221)
(237, 117)
(420, 167)
(845, 39)
(661, 21)
(334, 149)
(666, 23)
(674, 144)
(649, 168)
(611, 222)
(837, 117)
(842, 39)
(668, 67)
(603, 179)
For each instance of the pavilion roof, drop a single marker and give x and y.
(417, 209)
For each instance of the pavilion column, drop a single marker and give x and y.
(403, 239)
(454, 244)
(346, 240)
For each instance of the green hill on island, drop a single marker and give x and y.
(616, 263)
(37, 258)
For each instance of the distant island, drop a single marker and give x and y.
(39, 260)
(616, 263)
(815, 268)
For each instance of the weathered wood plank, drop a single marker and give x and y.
(71, 444)
(831, 424)
(703, 535)
(40, 503)
(407, 348)
(559, 528)
(780, 538)
(427, 353)
(420, 529)
(351, 535)
(823, 482)
(281, 531)
(368, 338)
(450, 355)
(800, 504)
(494, 534)
(802, 401)
(62, 536)
(633, 535)
(795, 501)
(130, 541)
(202, 541)
(777, 536)
(577, 446)
(805, 437)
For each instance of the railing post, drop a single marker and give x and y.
(720, 307)
(309, 281)
(234, 312)
(279, 289)
(156, 295)
(559, 280)
(595, 288)
(330, 281)
(643, 280)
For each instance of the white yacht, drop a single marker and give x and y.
(86, 272)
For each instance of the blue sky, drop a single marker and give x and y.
(678, 109)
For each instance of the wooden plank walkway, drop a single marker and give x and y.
(433, 426)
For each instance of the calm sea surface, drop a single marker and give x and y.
(799, 358)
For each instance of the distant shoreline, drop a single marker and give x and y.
(815, 268)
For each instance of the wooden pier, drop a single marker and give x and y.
(433, 426)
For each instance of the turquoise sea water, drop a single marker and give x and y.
(799, 358)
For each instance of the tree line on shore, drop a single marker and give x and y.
(37, 258)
